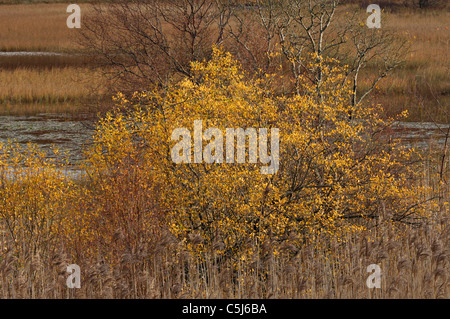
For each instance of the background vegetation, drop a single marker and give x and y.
(415, 85)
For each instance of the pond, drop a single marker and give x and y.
(64, 131)
(72, 134)
(421, 135)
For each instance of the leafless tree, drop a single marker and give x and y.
(149, 41)
(381, 50)
(254, 34)
(298, 28)
(146, 42)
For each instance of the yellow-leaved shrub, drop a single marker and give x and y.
(337, 175)
(35, 192)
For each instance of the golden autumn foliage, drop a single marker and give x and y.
(337, 175)
(34, 192)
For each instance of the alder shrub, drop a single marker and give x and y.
(337, 174)
(34, 196)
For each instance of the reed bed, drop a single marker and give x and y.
(30, 90)
(420, 85)
(37, 61)
(414, 261)
(38, 27)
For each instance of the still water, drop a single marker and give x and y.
(72, 135)
(46, 130)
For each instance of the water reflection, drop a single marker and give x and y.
(420, 135)
(73, 135)
(61, 130)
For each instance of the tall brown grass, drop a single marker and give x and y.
(421, 84)
(414, 261)
(44, 61)
(31, 90)
(39, 27)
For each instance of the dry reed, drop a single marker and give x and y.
(152, 263)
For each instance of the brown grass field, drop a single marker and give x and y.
(414, 260)
(40, 84)
(40, 27)
(420, 85)
(414, 266)
(37, 90)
